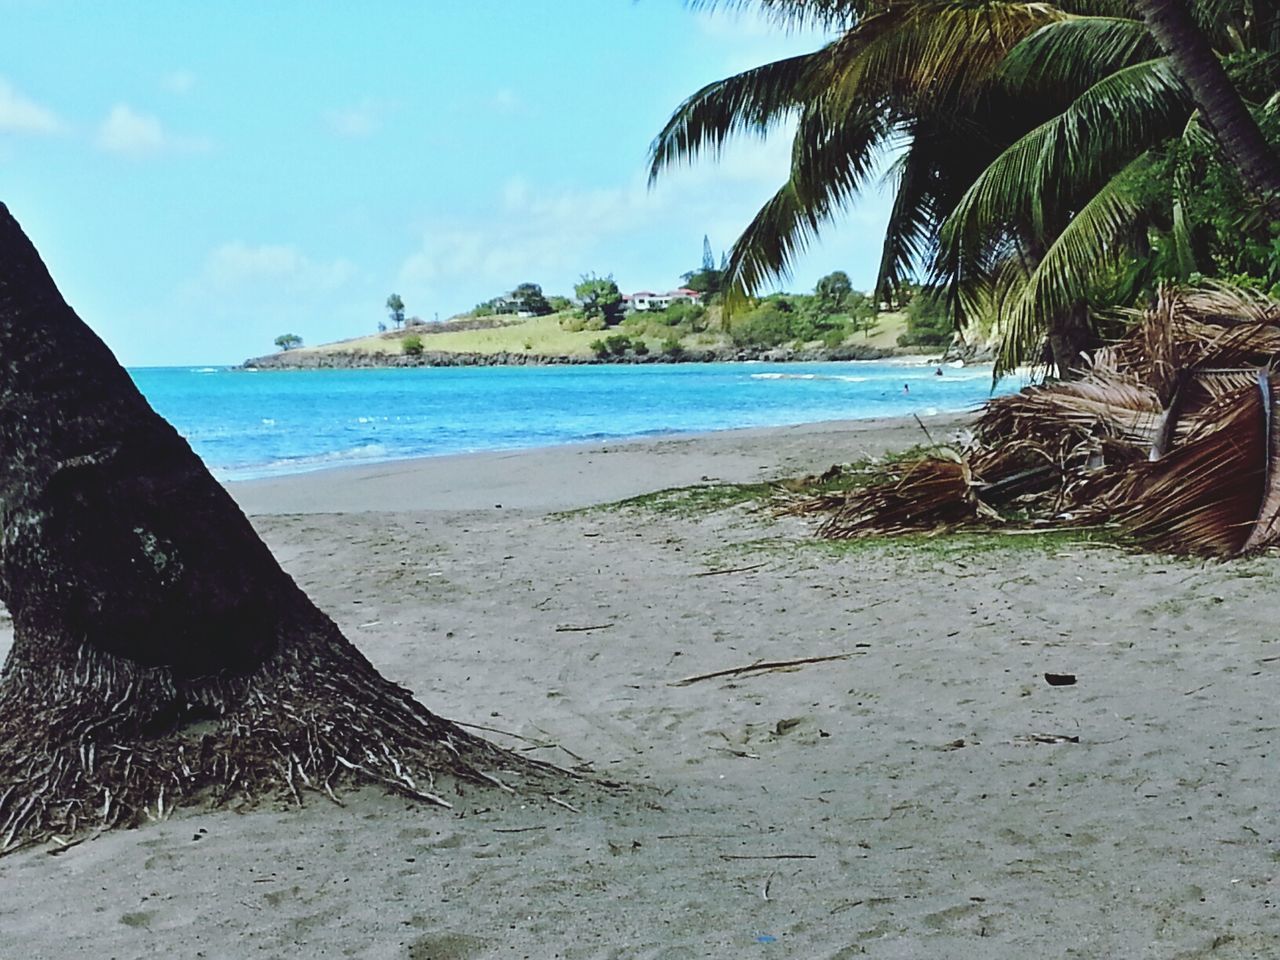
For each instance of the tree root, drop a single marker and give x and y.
(102, 742)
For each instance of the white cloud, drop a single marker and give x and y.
(18, 114)
(358, 120)
(645, 237)
(128, 132)
(179, 81)
(282, 266)
(540, 231)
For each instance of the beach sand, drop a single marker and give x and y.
(929, 796)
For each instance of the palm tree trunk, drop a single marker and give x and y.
(1070, 335)
(1219, 103)
(160, 653)
(1070, 340)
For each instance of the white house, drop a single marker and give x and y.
(647, 300)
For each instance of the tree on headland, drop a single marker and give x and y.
(708, 279)
(528, 298)
(287, 341)
(833, 291)
(395, 308)
(600, 299)
(160, 655)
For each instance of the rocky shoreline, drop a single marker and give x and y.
(349, 360)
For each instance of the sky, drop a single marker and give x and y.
(203, 177)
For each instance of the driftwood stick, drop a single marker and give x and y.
(769, 856)
(570, 629)
(716, 573)
(760, 666)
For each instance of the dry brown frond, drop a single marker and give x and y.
(1100, 405)
(933, 494)
(1204, 496)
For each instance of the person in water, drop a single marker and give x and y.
(938, 372)
(906, 388)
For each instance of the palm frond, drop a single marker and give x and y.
(933, 494)
(931, 53)
(793, 14)
(1069, 56)
(749, 102)
(1098, 405)
(912, 220)
(1205, 496)
(1183, 455)
(829, 166)
(1071, 154)
(1096, 235)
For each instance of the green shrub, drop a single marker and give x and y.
(768, 325)
(682, 313)
(599, 348)
(617, 344)
(834, 337)
(672, 346)
(927, 322)
(412, 345)
(640, 348)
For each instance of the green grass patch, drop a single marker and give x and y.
(955, 545)
(704, 498)
(709, 497)
(956, 549)
(962, 544)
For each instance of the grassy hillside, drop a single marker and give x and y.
(546, 336)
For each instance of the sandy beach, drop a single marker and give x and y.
(929, 795)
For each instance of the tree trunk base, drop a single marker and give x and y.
(103, 742)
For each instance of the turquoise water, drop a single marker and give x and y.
(255, 424)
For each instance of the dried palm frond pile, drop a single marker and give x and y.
(1171, 434)
(937, 491)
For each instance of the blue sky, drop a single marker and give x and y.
(201, 177)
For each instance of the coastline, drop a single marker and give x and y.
(576, 475)
(316, 359)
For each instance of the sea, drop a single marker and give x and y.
(253, 424)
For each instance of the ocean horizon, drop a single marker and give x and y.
(253, 424)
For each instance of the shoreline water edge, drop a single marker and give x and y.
(273, 422)
(358, 359)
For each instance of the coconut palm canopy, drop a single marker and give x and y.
(1037, 150)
